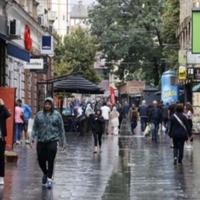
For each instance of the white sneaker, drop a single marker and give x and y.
(1, 181)
(49, 183)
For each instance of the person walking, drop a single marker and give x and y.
(27, 112)
(48, 129)
(97, 126)
(19, 121)
(143, 111)
(114, 120)
(105, 110)
(4, 114)
(179, 132)
(133, 117)
(155, 119)
(188, 111)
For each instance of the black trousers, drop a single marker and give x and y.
(178, 148)
(2, 157)
(46, 152)
(97, 138)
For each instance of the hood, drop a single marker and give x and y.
(49, 99)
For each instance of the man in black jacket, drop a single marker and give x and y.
(156, 119)
(4, 114)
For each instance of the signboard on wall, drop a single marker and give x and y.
(193, 58)
(47, 45)
(35, 63)
(195, 31)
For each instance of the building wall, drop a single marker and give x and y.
(61, 22)
(185, 9)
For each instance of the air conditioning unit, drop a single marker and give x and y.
(15, 28)
(41, 20)
(51, 16)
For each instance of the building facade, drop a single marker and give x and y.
(20, 41)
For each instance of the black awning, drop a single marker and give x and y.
(75, 84)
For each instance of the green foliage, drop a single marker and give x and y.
(76, 54)
(131, 35)
(170, 22)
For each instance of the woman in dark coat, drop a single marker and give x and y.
(4, 114)
(179, 132)
(97, 126)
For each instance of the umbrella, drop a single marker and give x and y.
(75, 84)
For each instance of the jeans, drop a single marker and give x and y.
(133, 126)
(143, 123)
(2, 157)
(178, 149)
(155, 132)
(46, 152)
(18, 131)
(97, 138)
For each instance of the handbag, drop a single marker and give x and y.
(180, 122)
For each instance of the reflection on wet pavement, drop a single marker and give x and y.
(143, 172)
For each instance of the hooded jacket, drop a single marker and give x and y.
(49, 126)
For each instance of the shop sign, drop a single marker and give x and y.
(35, 63)
(182, 73)
(27, 38)
(193, 58)
(47, 45)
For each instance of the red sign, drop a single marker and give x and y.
(8, 96)
(27, 38)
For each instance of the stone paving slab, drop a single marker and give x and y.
(144, 171)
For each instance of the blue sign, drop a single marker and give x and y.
(47, 45)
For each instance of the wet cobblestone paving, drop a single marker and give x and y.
(143, 172)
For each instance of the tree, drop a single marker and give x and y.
(170, 22)
(76, 55)
(129, 35)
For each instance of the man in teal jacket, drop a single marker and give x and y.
(48, 129)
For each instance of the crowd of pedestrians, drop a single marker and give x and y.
(101, 118)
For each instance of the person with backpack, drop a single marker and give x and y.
(27, 112)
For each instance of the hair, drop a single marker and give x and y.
(1, 102)
(98, 110)
(179, 108)
(188, 107)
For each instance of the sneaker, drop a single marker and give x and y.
(95, 149)
(49, 183)
(175, 161)
(1, 181)
(44, 180)
(27, 142)
(17, 142)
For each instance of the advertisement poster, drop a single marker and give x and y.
(8, 96)
(169, 88)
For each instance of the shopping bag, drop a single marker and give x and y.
(148, 129)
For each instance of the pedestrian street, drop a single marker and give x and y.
(141, 171)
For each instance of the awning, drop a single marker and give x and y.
(17, 52)
(75, 83)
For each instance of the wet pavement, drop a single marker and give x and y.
(140, 171)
